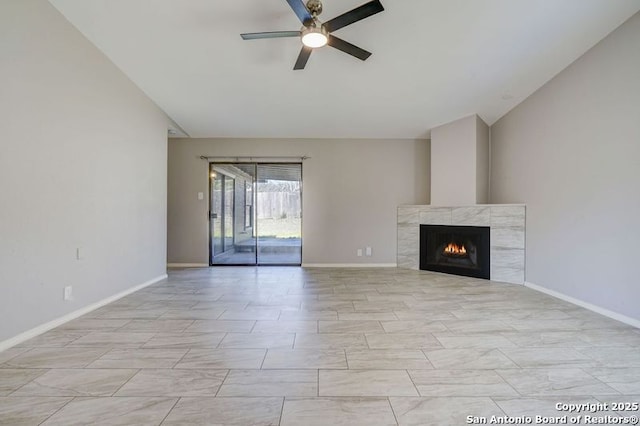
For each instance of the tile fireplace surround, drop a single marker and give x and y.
(507, 228)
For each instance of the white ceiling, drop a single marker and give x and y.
(433, 61)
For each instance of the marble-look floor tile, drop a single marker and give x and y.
(225, 411)
(480, 359)
(614, 356)
(139, 358)
(113, 339)
(174, 382)
(286, 326)
(547, 325)
(350, 327)
(346, 296)
(304, 315)
(286, 383)
(217, 326)
(546, 339)
(442, 411)
(222, 358)
(624, 380)
(387, 359)
(365, 383)
(91, 324)
(337, 412)
(461, 339)
(460, 383)
(538, 314)
(218, 306)
(477, 326)
(159, 325)
(12, 379)
(258, 340)
(330, 341)
(56, 358)
(10, 353)
(192, 314)
(379, 306)
(565, 381)
(133, 313)
(184, 340)
(76, 382)
(328, 305)
(402, 341)
(548, 357)
(477, 341)
(305, 358)
(413, 326)
(610, 337)
(367, 316)
(112, 411)
(429, 316)
(251, 314)
(55, 338)
(28, 410)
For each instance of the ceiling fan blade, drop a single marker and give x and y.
(270, 34)
(347, 47)
(355, 15)
(301, 11)
(303, 57)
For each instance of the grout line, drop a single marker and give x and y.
(126, 381)
(392, 410)
(281, 410)
(226, 333)
(264, 358)
(59, 409)
(222, 383)
(181, 358)
(170, 410)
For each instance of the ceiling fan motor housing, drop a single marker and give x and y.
(315, 7)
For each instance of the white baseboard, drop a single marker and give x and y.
(349, 265)
(29, 334)
(597, 309)
(187, 265)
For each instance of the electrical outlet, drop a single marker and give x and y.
(359, 252)
(368, 251)
(68, 293)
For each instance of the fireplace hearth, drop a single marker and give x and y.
(459, 250)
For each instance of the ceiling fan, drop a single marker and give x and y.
(315, 34)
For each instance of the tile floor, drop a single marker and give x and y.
(294, 346)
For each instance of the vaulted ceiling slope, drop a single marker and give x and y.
(433, 61)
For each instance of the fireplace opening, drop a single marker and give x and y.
(460, 250)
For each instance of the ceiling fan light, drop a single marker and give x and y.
(314, 37)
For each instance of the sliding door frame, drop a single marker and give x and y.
(254, 191)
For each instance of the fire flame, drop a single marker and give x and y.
(453, 248)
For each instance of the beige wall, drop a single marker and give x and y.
(82, 165)
(482, 161)
(351, 190)
(460, 162)
(571, 152)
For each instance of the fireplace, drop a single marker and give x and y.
(459, 250)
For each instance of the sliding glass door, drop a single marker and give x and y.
(256, 214)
